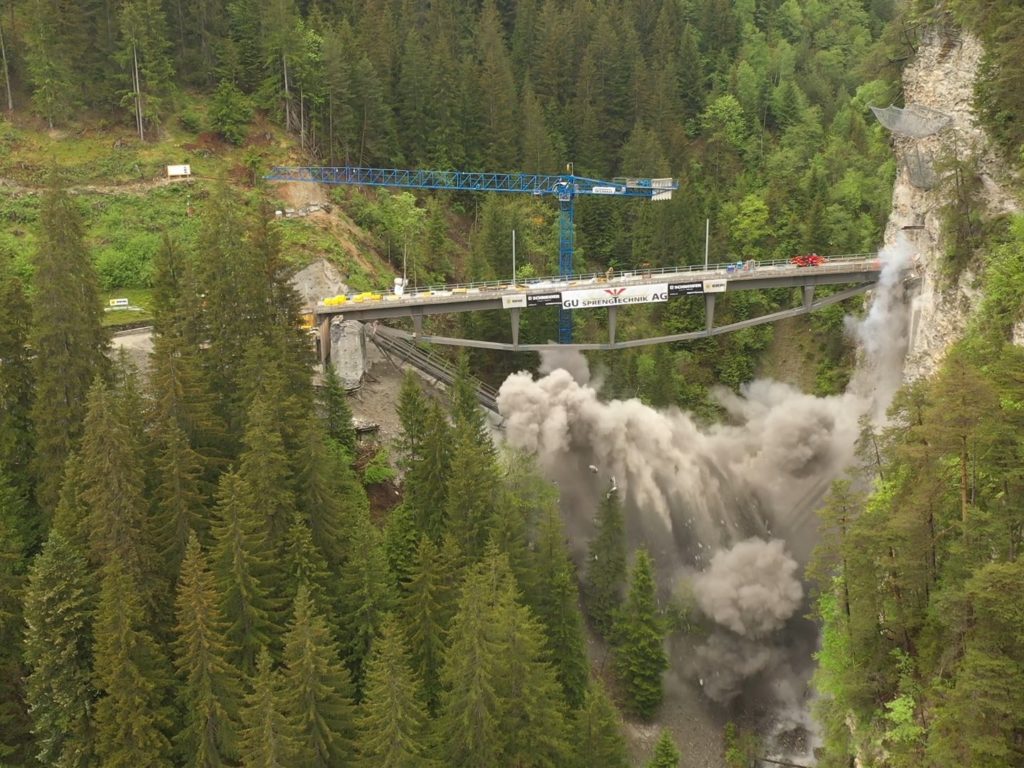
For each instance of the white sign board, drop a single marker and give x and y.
(514, 301)
(604, 190)
(119, 302)
(614, 297)
(715, 286)
(174, 171)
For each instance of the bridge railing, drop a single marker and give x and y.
(732, 269)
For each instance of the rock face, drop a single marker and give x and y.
(319, 279)
(348, 351)
(941, 77)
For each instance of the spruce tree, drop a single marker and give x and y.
(532, 719)
(638, 638)
(114, 491)
(393, 721)
(470, 709)
(597, 732)
(331, 497)
(466, 411)
(264, 471)
(59, 605)
(428, 474)
(606, 565)
(268, 737)
(16, 386)
(15, 726)
(305, 562)
(209, 695)
(557, 607)
(472, 490)
(131, 673)
(337, 414)
(427, 607)
(666, 755)
(317, 689)
(367, 594)
(412, 412)
(241, 565)
(67, 339)
(179, 505)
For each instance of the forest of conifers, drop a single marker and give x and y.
(190, 572)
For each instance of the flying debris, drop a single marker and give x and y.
(613, 489)
(592, 468)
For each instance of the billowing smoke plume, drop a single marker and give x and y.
(695, 495)
(704, 487)
(751, 589)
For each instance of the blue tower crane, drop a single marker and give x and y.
(565, 188)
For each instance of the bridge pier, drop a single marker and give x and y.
(514, 315)
(709, 312)
(325, 339)
(612, 317)
(808, 297)
(417, 325)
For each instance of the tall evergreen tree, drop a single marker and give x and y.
(606, 565)
(427, 478)
(427, 607)
(210, 696)
(264, 472)
(241, 563)
(59, 605)
(269, 739)
(131, 673)
(558, 609)
(318, 690)
(113, 489)
(16, 385)
(179, 505)
(597, 732)
(336, 412)
(145, 54)
(66, 337)
(639, 638)
(367, 594)
(393, 721)
(471, 494)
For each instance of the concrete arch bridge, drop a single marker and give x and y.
(611, 290)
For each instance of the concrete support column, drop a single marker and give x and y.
(417, 325)
(612, 316)
(709, 312)
(514, 314)
(325, 339)
(808, 296)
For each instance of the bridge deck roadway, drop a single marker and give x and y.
(453, 299)
(637, 287)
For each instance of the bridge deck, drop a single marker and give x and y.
(547, 291)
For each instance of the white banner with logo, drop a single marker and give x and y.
(614, 297)
(715, 286)
(515, 300)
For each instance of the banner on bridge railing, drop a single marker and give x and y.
(614, 297)
(694, 288)
(515, 301)
(715, 286)
(544, 300)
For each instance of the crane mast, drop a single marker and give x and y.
(565, 187)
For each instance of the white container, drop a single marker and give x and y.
(399, 287)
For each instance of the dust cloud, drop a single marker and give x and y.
(728, 508)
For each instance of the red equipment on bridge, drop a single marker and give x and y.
(808, 260)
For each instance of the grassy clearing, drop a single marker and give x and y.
(139, 299)
(128, 206)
